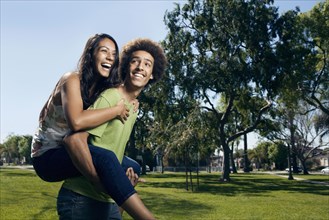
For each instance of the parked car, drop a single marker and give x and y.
(325, 170)
(147, 168)
(299, 169)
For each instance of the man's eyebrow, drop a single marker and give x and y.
(137, 57)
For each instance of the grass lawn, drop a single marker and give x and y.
(249, 196)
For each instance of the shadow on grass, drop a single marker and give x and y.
(169, 204)
(16, 173)
(242, 184)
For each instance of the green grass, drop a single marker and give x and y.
(24, 196)
(248, 196)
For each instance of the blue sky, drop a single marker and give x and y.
(41, 40)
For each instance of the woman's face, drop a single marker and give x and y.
(104, 57)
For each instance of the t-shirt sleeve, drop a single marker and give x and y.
(101, 102)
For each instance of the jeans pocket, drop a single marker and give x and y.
(72, 206)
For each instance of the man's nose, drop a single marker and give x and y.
(140, 65)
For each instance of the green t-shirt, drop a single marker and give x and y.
(112, 135)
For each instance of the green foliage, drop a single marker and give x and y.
(259, 155)
(16, 147)
(278, 153)
(225, 48)
(321, 125)
(315, 84)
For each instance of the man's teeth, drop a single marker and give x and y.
(139, 75)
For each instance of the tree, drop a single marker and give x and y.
(260, 155)
(225, 49)
(16, 148)
(305, 75)
(315, 84)
(278, 155)
(296, 129)
(308, 137)
(321, 124)
(24, 148)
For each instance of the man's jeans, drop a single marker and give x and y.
(56, 165)
(73, 206)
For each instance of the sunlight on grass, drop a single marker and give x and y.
(248, 196)
(314, 177)
(25, 196)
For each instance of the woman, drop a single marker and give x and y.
(67, 111)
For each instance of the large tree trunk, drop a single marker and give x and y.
(186, 170)
(305, 171)
(290, 177)
(226, 168)
(291, 146)
(246, 168)
(232, 159)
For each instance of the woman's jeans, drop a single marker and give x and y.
(56, 165)
(128, 162)
(73, 206)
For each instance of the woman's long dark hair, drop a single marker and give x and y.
(89, 74)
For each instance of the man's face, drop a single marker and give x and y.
(140, 68)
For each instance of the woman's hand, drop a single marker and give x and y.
(123, 111)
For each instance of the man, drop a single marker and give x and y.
(142, 63)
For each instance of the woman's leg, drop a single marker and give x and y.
(55, 165)
(117, 184)
(111, 174)
(128, 162)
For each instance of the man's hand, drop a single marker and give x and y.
(133, 177)
(135, 103)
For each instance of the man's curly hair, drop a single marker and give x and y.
(149, 46)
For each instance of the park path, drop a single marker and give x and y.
(301, 179)
(23, 167)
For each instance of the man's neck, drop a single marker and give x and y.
(130, 93)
